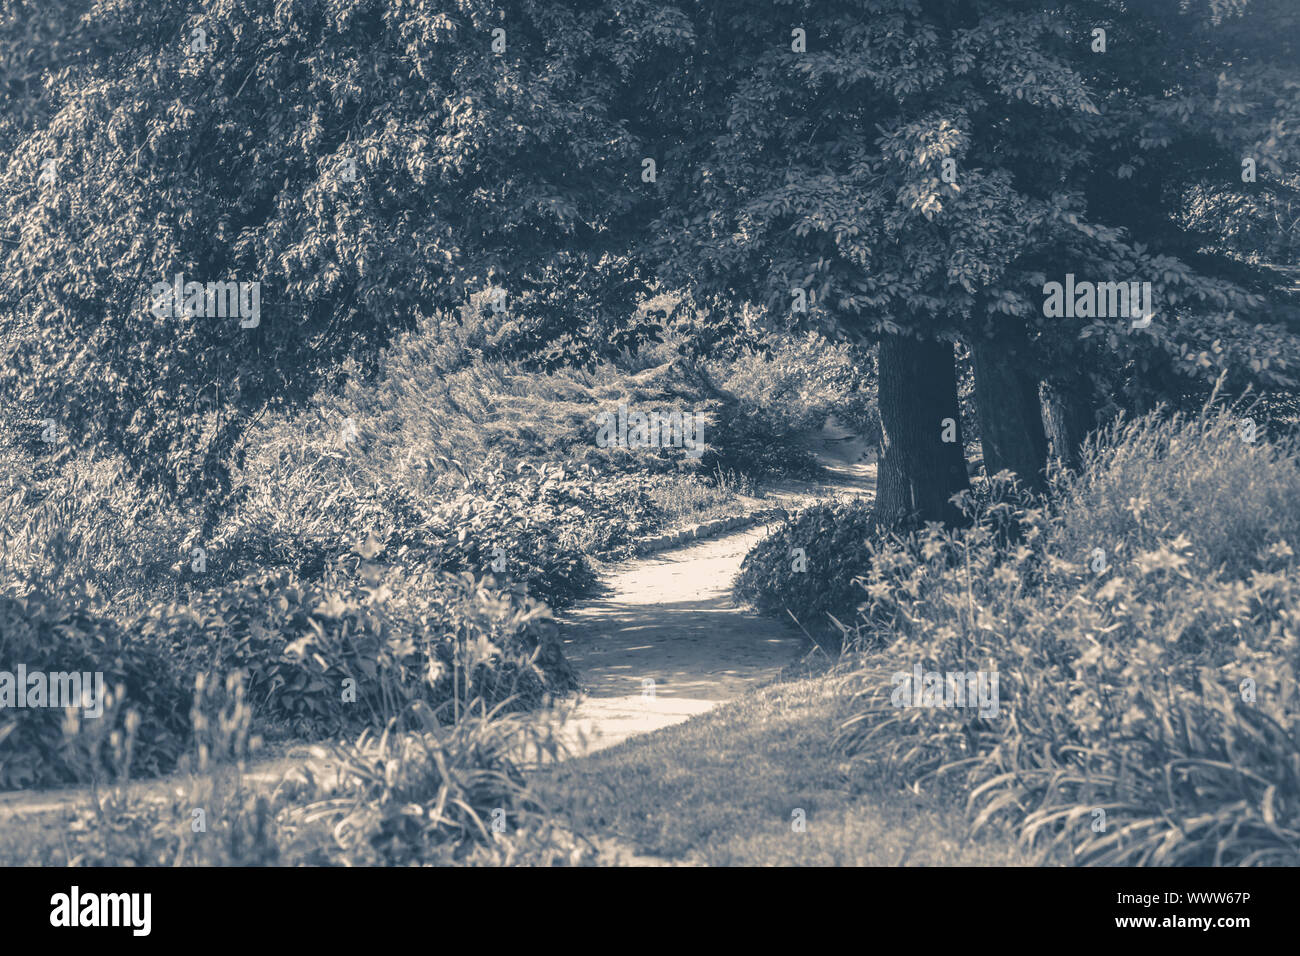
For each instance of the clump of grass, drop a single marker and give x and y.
(687, 498)
(86, 527)
(1143, 625)
(1151, 480)
(427, 790)
(211, 818)
(440, 794)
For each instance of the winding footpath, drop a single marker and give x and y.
(666, 641)
(663, 642)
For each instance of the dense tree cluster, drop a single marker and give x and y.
(914, 172)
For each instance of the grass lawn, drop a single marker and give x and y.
(721, 789)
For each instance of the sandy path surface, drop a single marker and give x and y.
(665, 640)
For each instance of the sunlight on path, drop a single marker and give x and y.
(671, 620)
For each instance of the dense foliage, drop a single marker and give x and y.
(460, 231)
(354, 648)
(808, 568)
(364, 163)
(825, 170)
(44, 633)
(1144, 633)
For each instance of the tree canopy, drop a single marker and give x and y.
(928, 167)
(905, 167)
(362, 162)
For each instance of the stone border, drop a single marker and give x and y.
(709, 529)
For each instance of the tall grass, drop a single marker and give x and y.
(1151, 480)
(443, 793)
(1144, 626)
(423, 791)
(86, 526)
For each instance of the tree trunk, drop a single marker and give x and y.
(1010, 415)
(918, 470)
(1069, 416)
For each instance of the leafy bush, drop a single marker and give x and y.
(355, 648)
(54, 636)
(749, 445)
(1158, 686)
(834, 539)
(544, 520)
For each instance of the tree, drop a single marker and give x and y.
(360, 162)
(912, 171)
(920, 171)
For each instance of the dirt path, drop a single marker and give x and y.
(668, 618)
(665, 641)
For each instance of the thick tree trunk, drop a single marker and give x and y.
(1069, 416)
(919, 471)
(1010, 414)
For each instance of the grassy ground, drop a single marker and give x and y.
(722, 788)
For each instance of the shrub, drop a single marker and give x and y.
(350, 649)
(299, 642)
(1160, 689)
(357, 646)
(749, 445)
(542, 519)
(834, 539)
(55, 636)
